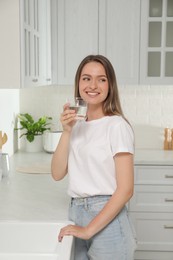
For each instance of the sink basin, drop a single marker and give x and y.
(34, 241)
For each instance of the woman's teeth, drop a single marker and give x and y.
(92, 93)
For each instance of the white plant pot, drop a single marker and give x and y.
(51, 140)
(35, 146)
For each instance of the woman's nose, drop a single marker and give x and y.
(93, 84)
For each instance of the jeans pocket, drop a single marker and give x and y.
(133, 231)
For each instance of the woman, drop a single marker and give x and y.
(97, 154)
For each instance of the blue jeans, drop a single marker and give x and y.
(115, 242)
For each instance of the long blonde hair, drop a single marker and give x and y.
(111, 105)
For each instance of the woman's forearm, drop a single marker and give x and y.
(109, 212)
(60, 157)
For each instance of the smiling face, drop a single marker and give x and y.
(93, 83)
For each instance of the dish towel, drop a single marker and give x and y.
(35, 168)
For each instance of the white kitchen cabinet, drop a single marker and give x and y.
(74, 35)
(110, 28)
(156, 61)
(35, 43)
(151, 210)
(119, 33)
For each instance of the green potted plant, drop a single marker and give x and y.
(33, 129)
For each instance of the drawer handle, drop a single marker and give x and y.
(168, 227)
(168, 200)
(168, 176)
(34, 80)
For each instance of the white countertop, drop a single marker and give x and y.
(32, 197)
(37, 197)
(153, 157)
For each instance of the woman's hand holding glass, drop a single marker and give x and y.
(68, 118)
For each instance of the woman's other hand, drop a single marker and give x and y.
(73, 230)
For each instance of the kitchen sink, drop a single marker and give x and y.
(34, 241)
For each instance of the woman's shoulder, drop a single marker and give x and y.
(117, 119)
(119, 122)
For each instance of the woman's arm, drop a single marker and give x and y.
(60, 157)
(124, 191)
(59, 162)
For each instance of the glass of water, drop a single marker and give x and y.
(80, 107)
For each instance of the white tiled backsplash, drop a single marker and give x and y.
(148, 108)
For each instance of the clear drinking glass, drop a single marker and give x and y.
(5, 164)
(80, 107)
(0, 166)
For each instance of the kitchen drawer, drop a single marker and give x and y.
(150, 198)
(152, 255)
(154, 175)
(154, 231)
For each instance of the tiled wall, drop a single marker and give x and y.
(47, 101)
(148, 108)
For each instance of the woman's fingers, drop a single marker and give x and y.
(68, 117)
(73, 230)
(64, 232)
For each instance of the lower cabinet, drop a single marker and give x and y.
(151, 211)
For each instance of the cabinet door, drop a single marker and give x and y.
(34, 41)
(45, 43)
(154, 231)
(153, 255)
(153, 175)
(119, 23)
(152, 198)
(156, 65)
(76, 36)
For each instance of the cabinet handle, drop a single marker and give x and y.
(48, 79)
(168, 227)
(35, 80)
(168, 176)
(168, 200)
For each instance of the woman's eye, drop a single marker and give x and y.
(86, 79)
(102, 80)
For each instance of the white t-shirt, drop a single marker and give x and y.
(93, 144)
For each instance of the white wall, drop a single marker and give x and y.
(9, 44)
(9, 70)
(148, 108)
(9, 108)
(47, 101)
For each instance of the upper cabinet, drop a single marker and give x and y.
(43, 41)
(110, 28)
(156, 42)
(74, 35)
(119, 33)
(35, 43)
